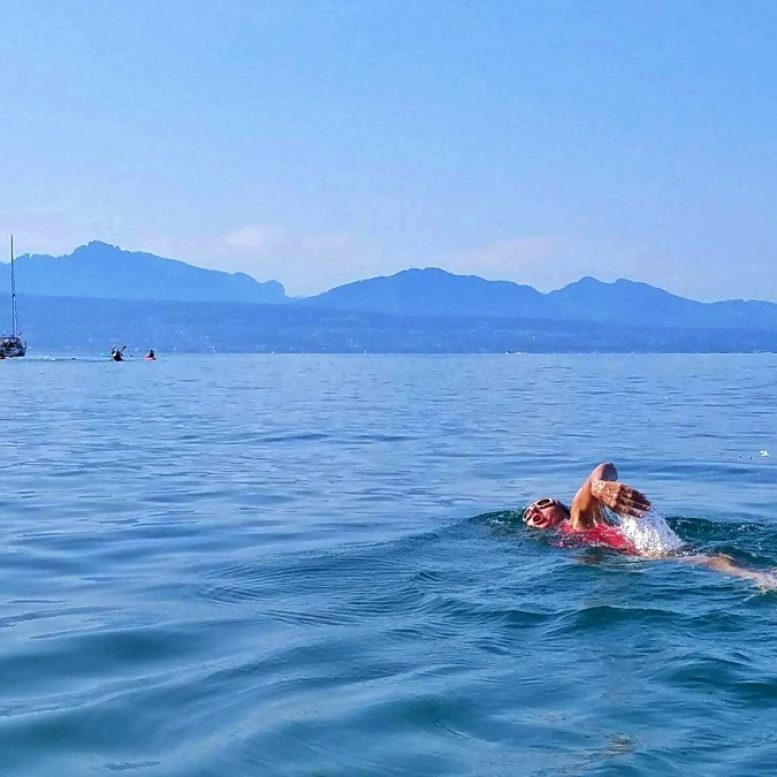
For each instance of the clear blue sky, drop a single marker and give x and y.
(320, 142)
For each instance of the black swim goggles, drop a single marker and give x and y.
(541, 504)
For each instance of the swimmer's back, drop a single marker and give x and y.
(601, 535)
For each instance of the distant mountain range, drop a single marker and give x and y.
(626, 303)
(99, 270)
(101, 295)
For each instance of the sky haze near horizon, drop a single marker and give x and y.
(322, 142)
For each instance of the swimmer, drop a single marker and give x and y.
(608, 513)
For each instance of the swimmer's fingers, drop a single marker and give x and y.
(636, 512)
(636, 502)
(624, 508)
(619, 496)
(627, 500)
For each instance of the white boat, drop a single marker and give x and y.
(12, 345)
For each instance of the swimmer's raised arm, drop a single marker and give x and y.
(602, 489)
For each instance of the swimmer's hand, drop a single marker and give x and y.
(620, 498)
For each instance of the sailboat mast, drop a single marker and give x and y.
(13, 293)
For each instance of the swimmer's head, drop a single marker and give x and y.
(545, 513)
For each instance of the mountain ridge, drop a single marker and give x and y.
(100, 270)
(103, 271)
(430, 291)
(621, 302)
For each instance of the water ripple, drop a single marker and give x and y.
(317, 565)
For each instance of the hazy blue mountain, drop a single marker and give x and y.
(107, 272)
(622, 303)
(593, 300)
(434, 292)
(639, 304)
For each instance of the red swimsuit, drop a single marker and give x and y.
(603, 535)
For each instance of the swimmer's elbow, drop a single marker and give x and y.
(605, 471)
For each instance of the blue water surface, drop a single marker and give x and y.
(315, 565)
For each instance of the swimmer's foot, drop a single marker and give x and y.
(767, 581)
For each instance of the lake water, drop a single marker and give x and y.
(315, 565)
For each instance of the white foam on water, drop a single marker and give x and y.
(650, 534)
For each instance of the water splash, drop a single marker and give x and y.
(651, 535)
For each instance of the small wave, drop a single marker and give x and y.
(604, 617)
(125, 766)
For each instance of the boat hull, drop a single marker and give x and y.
(12, 347)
